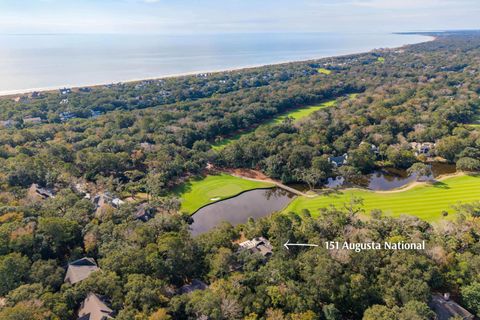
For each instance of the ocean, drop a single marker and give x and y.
(34, 62)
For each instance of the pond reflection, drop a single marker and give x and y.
(391, 178)
(236, 210)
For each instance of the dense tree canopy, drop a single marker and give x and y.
(140, 140)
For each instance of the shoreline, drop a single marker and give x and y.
(13, 93)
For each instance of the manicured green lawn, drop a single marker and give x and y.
(202, 191)
(353, 96)
(225, 142)
(296, 114)
(324, 71)
(302, 113)
(424, 201)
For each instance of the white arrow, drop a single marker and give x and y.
(286, 244)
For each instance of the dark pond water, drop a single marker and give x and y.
(255, 204)
(384, 179)
(390, 178)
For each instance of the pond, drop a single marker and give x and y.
(384, 179)
(256, 204)
(391, 178)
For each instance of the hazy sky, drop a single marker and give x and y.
(205, 16)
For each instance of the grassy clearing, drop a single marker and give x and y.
(381, 59)
(205, 190)
(424, 201)
(225, 142)
(296, 114)
(324, 71)
(302, 113)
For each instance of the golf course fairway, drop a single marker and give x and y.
(296, 114)
(199, 192)
(425, 201)
(301, 113)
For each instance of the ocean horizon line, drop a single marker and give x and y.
(93, 84)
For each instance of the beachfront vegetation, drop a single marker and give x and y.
(150, 137)
(428, 201)
(201, 191)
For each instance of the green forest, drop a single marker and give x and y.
(113, 173)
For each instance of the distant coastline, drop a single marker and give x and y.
(13, 93)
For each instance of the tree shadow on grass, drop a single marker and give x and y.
(332, 193)
(183, 188)
(441, 185)
(186, 186)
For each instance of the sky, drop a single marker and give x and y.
(235, 16)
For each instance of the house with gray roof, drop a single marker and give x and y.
(94, 308)
(103, 200)
(65, 91)
(193, 286)
(338, 161)
(144, 212)
(39, 192)
(426, 148)
(36, 95)
(81, 269)
(446, 309)
(257, 245)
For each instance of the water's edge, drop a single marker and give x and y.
(426, 38)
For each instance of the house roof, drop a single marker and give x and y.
(35, 189)
(447, 309)
(144, 212)
(32, 120)
(106, 198)
(94, 308)
(250, 244)
(258, 245)
(147, 146)
(419, 145)
(7, 123)
(195, 285)
(80, 270)
(338, 160)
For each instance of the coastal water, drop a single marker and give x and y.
(50, 61)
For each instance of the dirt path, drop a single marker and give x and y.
(255, 175)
